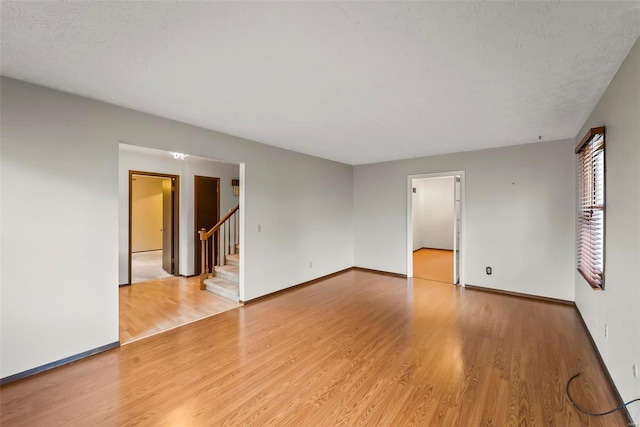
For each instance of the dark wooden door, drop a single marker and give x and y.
(206, 214)
(167, 226)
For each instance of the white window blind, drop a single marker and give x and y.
(591, 207)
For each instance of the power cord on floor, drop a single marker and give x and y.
(591, 414)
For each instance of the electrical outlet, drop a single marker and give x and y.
(606, 331)
(489, 271)
(310, 264)
(259, 228)
(634, 369)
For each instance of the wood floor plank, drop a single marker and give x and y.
(356, 349)
(433, 264)
(158, 305)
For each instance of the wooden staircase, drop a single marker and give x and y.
(221, 257)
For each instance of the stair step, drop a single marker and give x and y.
(224, 288)
(233, 259)
(228, 272)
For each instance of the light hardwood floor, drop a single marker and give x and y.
(433, 264)
(356, 349)
(159, 305)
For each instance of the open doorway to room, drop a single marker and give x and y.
(153, 225)
(435, 226)
(165, 199)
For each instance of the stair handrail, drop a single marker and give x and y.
(206, 234)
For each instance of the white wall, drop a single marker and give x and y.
(520, 215)
(59, 230)
(60, 249)
(617, 305)
(148, 160)
(433, 213)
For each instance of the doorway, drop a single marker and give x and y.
(435, 227)
(153, 226)
(206, 212)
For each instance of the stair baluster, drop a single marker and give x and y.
(219, 246)
(220, 234)
(204, 247)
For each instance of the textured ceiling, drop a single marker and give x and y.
(356, 82)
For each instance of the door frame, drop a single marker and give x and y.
(456, 246)
(463, 228)
(196, 237)
(176, 216)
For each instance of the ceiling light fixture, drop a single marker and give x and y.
(178, 156)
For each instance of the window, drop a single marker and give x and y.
(591, 203)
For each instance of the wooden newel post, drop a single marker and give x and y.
(203, 257)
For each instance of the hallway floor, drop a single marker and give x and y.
(147, 266)
(159, 305)
(433, 264)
